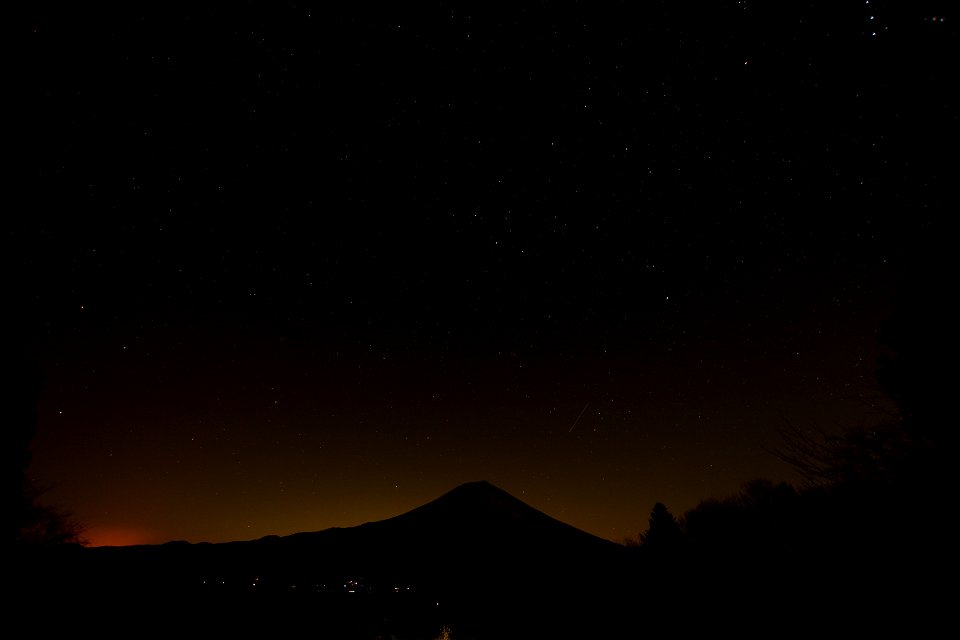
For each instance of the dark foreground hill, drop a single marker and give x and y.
(483, 565)
(476, 560)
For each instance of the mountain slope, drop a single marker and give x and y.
(473, 534)
(476, 555)
(476, 512)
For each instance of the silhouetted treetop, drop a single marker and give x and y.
(21, 384)
(33, 522)
(664, 531)
(918, 346)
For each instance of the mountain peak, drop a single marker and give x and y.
(476, 487)
(484, 484)
(481, 510)
(478, 499)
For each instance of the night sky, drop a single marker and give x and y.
(289, 266)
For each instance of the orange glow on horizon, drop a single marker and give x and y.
(117, 537)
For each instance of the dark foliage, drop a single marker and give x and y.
(862, 541)
(663, 535)
(21, 388)
(33, 522)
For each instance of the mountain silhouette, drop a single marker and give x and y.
(476, 515)
(474, 534)
(480, 508)
(476, 554)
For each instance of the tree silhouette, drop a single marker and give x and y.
(21, 387)
(663, 532)
(32, 521)
(762, 517)
(876, 455)
(909, 450)
(916, 340)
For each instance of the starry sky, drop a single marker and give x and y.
(289, 266)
